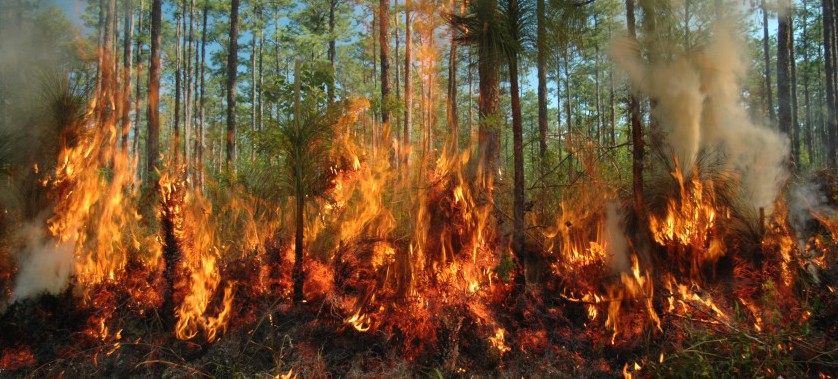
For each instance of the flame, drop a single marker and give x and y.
(498, 341)
(689, 222)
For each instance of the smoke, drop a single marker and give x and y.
(698, 106)
(616, 244)
(45, 264)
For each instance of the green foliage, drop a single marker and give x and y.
(505, 267)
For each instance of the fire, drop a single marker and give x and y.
(498, 341)
(687, 227)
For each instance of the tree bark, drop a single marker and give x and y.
(178, 83)
(199, 156)
(384, 43)
(332, 49)
(807, 123)
(451, 108)
(153, 143)
(408, 85)
(636, 128)
(518, 225)
(541, 65)
(298, 272)
(767, 57)
(232, 69)
(137, 97)
(829, 34)
(795, 118)
(127, 69)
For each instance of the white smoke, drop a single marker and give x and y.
(699, 106)
(45, 264)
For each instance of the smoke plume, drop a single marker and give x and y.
(45, 264)
(699, 106)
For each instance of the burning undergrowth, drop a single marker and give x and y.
(409, 269)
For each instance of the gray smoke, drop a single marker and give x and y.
(699, 107)
(616, 243)
(45, 264)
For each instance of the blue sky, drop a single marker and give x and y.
(72, 8)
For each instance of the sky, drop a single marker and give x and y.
(72, 8)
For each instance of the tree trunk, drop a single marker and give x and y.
(137, 97)
(568, 111)
(541, 64)
(472, 132)
(232, 68)
(807, 123)
(298, 272)
(397, 65)
(829, 34)
(767, 57)
(127, 69)
(384, 43)
(253, 47)
(784, 76)
(597, 91)
(260, 112)
(518, 225)
(636, 128)
(332, 49)
(178, 83)
(612, 111)
(488, 104)
(199, 156)
(795, 114)
(153, 143)
(189, 35)
(408, 85)
(451, 109)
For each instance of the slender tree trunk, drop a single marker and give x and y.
(829, 34)
(332, 49)
(541, 64)
(153, 143)
(807, 133)
(260, 80)
(253, 47)
(489, 103)
(170, 256)
(452, 92)
(178, 83)
(397, 65)
(188, 78)
(232, 69)
(100, 56)
(138, 96)
(612, 110)
(298, 273)
(199, 156)
(784, 77)
(384, 43)
(559, 106)
(128, 68)
(472, 131)
(597, 91)
(408, 85)
(568, 111)
(518, 225)
(636, 128)
(795, 118)
(766, 53)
